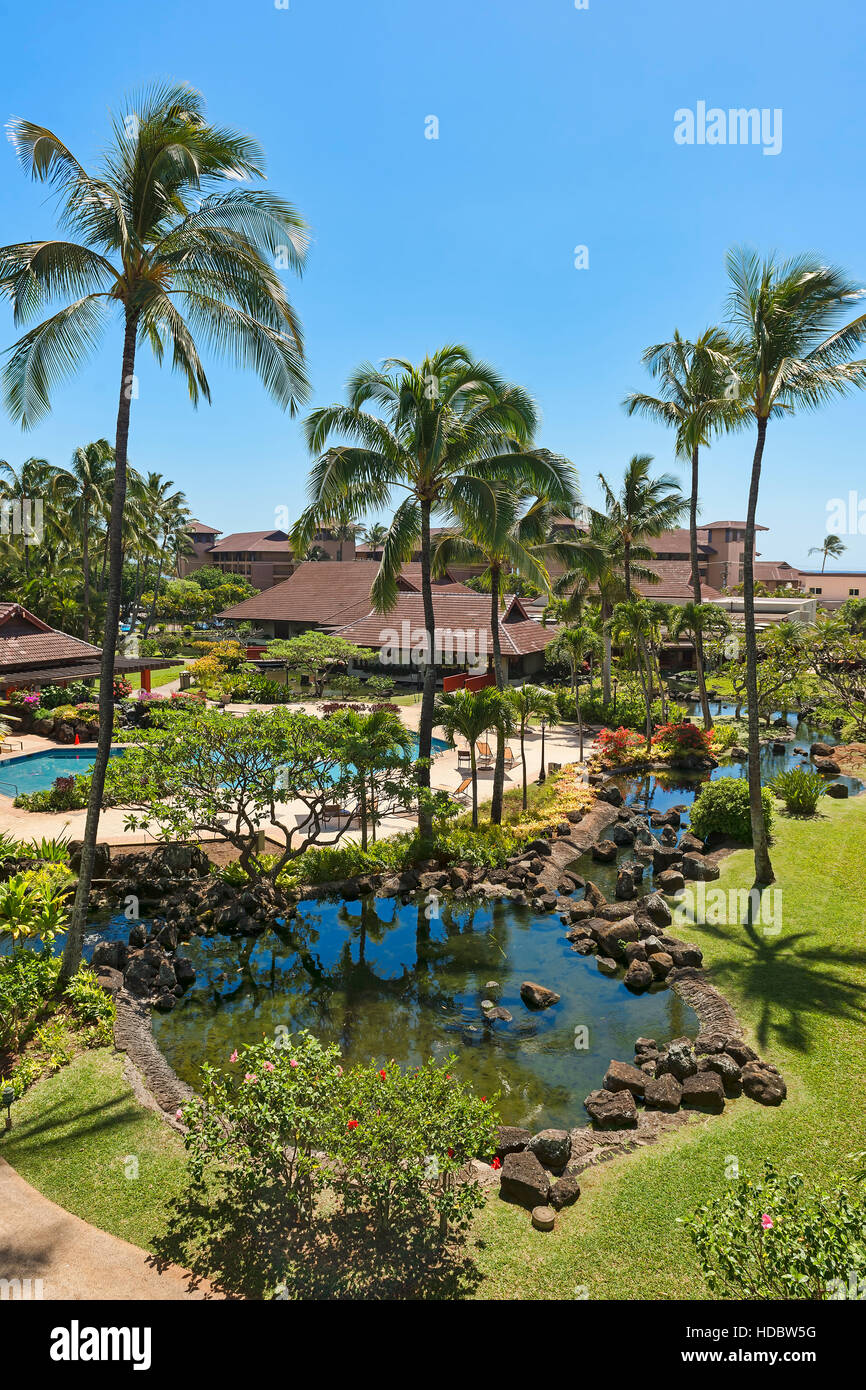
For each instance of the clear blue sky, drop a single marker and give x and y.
(555, 129)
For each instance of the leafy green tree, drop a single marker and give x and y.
(169, 240)
(376, 762)
(317, 655)
(632, 625)
(449, 425)
(83, 490)
(790, 352)
(531, 704)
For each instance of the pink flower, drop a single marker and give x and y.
(767, 1222)
(269, 1066)
(339, 1071)
(293, 1063)
(234, 1056)
(178, 1114)
(251, 1076)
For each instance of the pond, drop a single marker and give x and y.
(380, 980)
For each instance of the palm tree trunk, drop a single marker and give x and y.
(363, 812)
(696, 587)
(763, 866)
(523, 758)
(474, 770)
(626, 568)
(577, 709)
(702, 680)
(152, 614)
(606, 661)
(85, 569)
(428, 697)
(543, 773)
(78, 921)
(499, 766)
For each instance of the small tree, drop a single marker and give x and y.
(207, 772)
(316, 655)
(469, 713)
(377, 768)
(574, 646)
(531, 703)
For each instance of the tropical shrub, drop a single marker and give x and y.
(65, 794)
(629, 711)
(777, 1238)
(722, 808)
(122, 688)
(261, 1126)
(725, 736)
(51, 696)
(620, 745)
(403, 1136)
(681, 739)
(801, 790)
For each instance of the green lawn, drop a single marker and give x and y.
(799, 994)
(78, 1134)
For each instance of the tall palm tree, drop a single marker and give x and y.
(574, 645)
(507, 537)
(643, 507)
(632, 625)
(790, 352)
(29, 483)
(833, 546)
(170, 516)
(449, 425)
(595, 568)
(168, 240)
(83, 491)
(470, 713)
(694, 621)
(531, 703)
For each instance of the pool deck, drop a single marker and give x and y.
(561, 746)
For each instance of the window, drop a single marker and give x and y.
(853, 593)
(816, 591)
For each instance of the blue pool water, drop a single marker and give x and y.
(34, 772)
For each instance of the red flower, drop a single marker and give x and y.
(383, 1073)
(450, 1153)
(496, 1164)
(353, 1124)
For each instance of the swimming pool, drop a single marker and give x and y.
(34, 772)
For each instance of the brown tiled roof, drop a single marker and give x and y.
(735, 525)
(327, 592)
(197, 527)
(675, 582)
(776, 569)
(26, 641)
(678, 541)
(254, 540)
(458, 611)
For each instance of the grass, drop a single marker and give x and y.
(799, 995)
(78, 1134)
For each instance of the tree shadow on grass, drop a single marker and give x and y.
(788, 980)
(255, 1253)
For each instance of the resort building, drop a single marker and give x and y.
(32, 654)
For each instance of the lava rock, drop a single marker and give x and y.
(604, 852)
(537, 996)
(511, 1140)
(638, 977)
(725, 1067)
(703, 1091)
(763, 1083)
(612, 1109)
(678, 1060)
(523, 1180)
(552, 1147)
(620, 1076)
(662, 1093)
(698, 869)
(564, 1193)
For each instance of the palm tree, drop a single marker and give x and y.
(449, 426)
(375, 536)
(595, 567)
(531, 702)
(83, 493)
(23, 486)
(469, 713)
(375, 744)
(643, 507)
(833, 545)
(574, 645)
(694, 621)
(790, 351)
(632, 626)
(168, 239)
(693, 377)
(170, 516)
(507, 538)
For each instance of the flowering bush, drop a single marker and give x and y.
(405, 1135)
(620, 745)
(122, 688)
(673, 740)
(774, 1238)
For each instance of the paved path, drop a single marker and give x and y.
(39, 1240)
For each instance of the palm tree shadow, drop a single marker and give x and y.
(788, 980)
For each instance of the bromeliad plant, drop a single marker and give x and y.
(801, 790)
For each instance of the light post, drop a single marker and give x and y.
(7, 1098)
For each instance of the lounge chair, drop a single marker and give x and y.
(509, 758)
(461, 790)
(484, 754)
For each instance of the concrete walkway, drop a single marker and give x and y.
(39, 1241)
